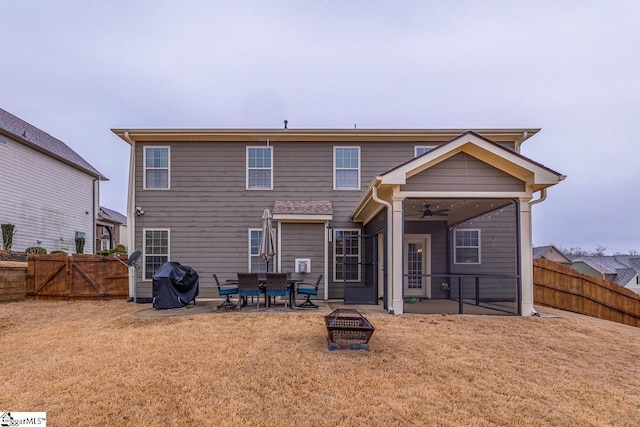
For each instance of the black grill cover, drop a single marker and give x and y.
(174, 285)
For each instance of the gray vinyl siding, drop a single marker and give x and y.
(463, 172)
(48, 201)
(209, 210)
(498, 256)
(303, 241)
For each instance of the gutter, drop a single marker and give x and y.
(389, 232)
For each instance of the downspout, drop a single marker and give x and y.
(389, 231)
(93, 220)
(543, 196)
(131, 218)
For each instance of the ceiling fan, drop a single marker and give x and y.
(427, 212)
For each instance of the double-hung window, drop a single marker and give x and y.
(156, 168)
(346, 260)
(156, 250)
(257, 264)
(259, 168)
(346, 167)
(467, 246)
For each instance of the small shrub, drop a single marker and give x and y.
(8, 230)
(35, 250)
(103, 253)
(120, 249)
(57, 251)
(80, 245)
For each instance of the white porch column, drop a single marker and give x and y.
(397, 304)
(526, 257)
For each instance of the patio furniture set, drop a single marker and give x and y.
(268, 285)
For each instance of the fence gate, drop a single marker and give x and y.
(77, 276)
(47, 276)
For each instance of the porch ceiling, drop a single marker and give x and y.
(459, 209)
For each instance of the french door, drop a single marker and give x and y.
(417, 261)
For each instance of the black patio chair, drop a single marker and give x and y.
(226, 291)
(277, 285)
(248, 286)
(309, 289)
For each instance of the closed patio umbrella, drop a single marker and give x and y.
(268, 241)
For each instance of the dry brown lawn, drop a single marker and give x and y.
(95, 364)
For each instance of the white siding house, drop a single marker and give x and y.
(48, 191)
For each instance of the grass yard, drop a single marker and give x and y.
(95, 364)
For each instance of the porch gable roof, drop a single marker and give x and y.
(482, 148)
(535, 175)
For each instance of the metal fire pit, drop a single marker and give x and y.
(347, 328)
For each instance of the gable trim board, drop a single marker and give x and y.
(504, 174)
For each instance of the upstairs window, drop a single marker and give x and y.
(156, 168)
(466, 246)
(346, 161)
(259, 168)
(421, 149)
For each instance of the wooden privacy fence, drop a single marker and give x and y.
(77, 276)
(559, 286)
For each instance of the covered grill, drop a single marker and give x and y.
(174, 286)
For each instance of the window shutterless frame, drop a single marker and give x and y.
(256, 263)
(346, 168)
(466, 246)
(259, 170)
(346, 237)
(156, 250)
(156, 165)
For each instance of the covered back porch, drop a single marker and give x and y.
(451, 229)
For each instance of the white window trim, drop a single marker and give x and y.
(335, 254)
(335, 187)
(144, 249)
(104, 245)
(269, 169)
(145, 168)
(455, 246)
(272, 260)
(417, 147)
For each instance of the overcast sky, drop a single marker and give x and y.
(76, 69)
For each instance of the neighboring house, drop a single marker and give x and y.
(550, 253)
(621, 269)
(391, 215)
(111, 229)
(48, 191)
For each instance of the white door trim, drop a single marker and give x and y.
(425, 239)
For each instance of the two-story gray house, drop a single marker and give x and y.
(400, 217)
(47, 190)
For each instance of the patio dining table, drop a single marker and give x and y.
(262, 280)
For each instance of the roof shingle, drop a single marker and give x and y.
(42, 141)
